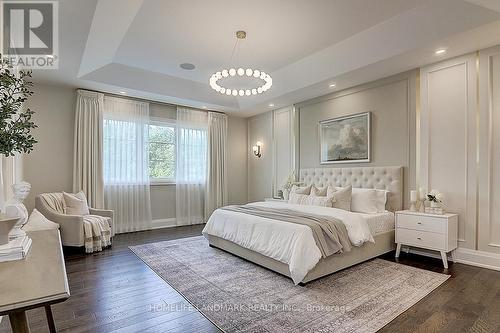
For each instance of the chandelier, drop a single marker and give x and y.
(249, 73)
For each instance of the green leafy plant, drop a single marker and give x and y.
(15, 123)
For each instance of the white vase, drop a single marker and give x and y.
(435, 204)
(286, 194)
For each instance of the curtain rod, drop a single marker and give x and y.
(146, 100)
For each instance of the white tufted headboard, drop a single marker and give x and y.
(383, 178)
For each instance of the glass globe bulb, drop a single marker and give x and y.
(225, 73)
(241, 92)
(218, 75)
(232, 72)
(228, 92)
(222, 90)
(235, 92)
(247, 92)
(263, 75)
(241, 71)
(249, 72)
(254, 91)
(259, 90)
(256, 73)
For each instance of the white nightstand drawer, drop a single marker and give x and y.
(421, 238)
(423, 223)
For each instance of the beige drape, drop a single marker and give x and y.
(88, 150)
(216, 188)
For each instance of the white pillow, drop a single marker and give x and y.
(75, 204)
(37, 221)
(310, 200)
(341, 197)
(369, 201)
(301, 190)
(319, 191)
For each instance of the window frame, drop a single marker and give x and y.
(165, 122)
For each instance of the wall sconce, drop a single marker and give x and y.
(256, 149)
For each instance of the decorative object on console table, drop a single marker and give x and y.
(432, 232)
(6, 225)
(15, 122)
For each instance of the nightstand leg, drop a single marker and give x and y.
(398, 250)
(453, 256)
(445, 259)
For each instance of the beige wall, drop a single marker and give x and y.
(260, 170)
(50, 166)
(392, 103)
(237, 148)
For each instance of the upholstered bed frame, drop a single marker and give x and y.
(385, 178)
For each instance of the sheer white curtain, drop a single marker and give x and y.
(126, 159)
(216, 192)
(87, 155)
(191, 165)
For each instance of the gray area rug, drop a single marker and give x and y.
(239, 296)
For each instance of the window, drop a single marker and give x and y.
(161, 152)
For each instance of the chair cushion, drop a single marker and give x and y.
(54, 201)
(37, 221)
(75, 204)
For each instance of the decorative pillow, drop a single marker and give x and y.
(341, 195)
(369, 201)
(309, 200)
(301, 190)
(319, 191)
(75, 204)
(37, 221)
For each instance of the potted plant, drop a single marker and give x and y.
(15, 125)
(436, 198)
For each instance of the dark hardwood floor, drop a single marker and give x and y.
(115, 291)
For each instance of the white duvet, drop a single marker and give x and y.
(290, 243)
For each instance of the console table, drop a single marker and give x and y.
(38, 280)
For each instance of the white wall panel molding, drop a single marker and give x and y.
(448, 119)
(489, 147)
(284, 146)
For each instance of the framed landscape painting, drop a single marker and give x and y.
(345, 139)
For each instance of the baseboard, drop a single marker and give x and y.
(478, 258)
(163, 223)
(464, 256)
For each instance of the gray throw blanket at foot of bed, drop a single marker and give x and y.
(329, 233)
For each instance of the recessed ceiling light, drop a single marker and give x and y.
(440, 51)
(332, 85)
(271, 105)
(187, 66)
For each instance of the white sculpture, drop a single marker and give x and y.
(15, 207)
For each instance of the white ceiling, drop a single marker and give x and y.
(137, 46)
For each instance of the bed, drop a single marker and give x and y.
(290, 250)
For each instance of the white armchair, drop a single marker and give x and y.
(71, 226)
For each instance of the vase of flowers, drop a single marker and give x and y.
(435, 198)
(290, 182)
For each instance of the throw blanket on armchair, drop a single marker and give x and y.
(97, 233)
(329, 233)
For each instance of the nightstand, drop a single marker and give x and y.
(427, 231)
(275, 199)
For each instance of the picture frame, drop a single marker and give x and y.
(345, 139)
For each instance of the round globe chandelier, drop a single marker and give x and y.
(249, 73)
